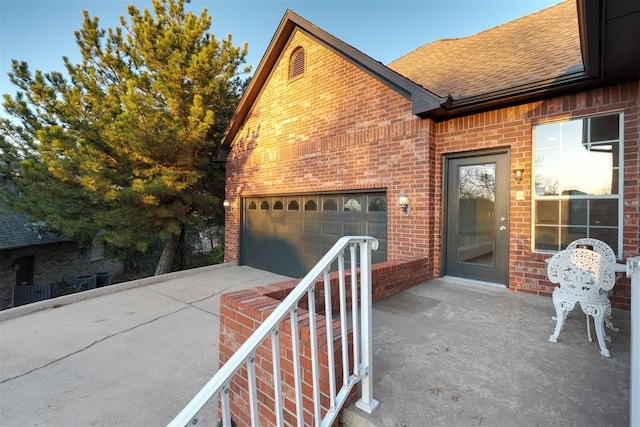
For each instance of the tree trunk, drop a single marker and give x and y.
(168, 253)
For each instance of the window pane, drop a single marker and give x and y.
(603, 212)
(547, 238)
(264, 206)
(330, 205)
(547, 212)
(311, 205)
(278, 206)
(547, 136)
(352, 205)
(293, 205)
(587, 172)
(569, 234)
(574, 212)
(605, 128)
(253, 206)
(546, 182)
(607, 235)
(377, 204)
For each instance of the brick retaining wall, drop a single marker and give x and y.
(243, 311)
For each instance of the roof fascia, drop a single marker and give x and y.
(590, 25)
(512, 96)
(422, 100)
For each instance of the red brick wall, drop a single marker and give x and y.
(339, 129)
(512, 127)
(335, 129)
(242, 312)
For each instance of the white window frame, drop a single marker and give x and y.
(621, 168)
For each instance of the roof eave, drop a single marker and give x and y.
(510, 96)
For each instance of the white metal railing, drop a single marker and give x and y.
(359, 372)
(633, 271)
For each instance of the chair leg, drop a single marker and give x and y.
(598, 318)
(609, 324)
(561, 315)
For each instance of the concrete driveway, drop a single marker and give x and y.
(131, 354)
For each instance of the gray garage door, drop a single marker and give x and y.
(288, 235)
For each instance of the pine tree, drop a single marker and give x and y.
(122, 147)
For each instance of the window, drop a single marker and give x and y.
(330, 205)
(577, 182)
(278, 206)
(253, 206)
(293, 205)
(377, 204)
(296, 65)
(352, 205)
(97, 252)
(264, 206)
(311, 205)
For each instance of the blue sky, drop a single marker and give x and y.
(40, 32)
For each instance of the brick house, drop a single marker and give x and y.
(32, 257)
(508, 144)
(476, 158)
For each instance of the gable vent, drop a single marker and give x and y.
(296, 67)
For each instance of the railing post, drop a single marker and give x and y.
(633, 271)
(366, 403)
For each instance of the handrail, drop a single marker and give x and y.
(362, 337)
(633, 271)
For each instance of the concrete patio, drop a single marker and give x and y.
(447, 352)
(455, 353)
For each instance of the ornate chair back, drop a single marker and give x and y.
(583, 275)
(598, 245)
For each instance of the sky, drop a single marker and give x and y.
(41, 32)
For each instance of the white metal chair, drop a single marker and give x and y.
(584, 277)
(605, 250)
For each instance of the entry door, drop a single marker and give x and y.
(477, 217)
(24, 273)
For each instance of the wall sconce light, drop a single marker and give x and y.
(227, 205)
(405, 203)
(518, 173)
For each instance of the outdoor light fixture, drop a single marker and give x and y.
(404, 202)
(227, 205)
(518, 173)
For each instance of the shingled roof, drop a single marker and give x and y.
(539, 47)
(534, 57)
(18, 231)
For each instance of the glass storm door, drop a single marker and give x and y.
(477, 218)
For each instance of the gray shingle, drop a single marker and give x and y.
(541, 46)
(18, 231)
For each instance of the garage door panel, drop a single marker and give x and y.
(294, 226)
(313, 249)
(376, 228)
(311, 226)
(353, 228)
(331, 227)
(288, 235)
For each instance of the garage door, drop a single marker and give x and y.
(288, 235)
